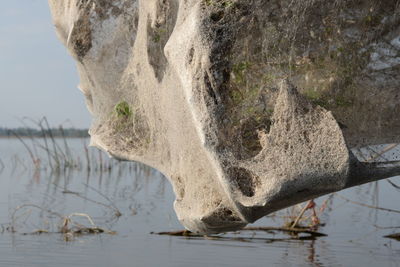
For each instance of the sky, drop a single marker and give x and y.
(37, 75)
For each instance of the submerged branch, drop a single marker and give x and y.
(264, 229)
(393, 184)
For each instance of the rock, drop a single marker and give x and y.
(246, 106)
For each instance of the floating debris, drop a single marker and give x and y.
(67, 226)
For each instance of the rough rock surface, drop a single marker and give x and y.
(247, 106)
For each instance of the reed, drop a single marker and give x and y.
(58, 156)
(2, 166)
(35, 161)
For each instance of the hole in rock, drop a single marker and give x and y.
(217, 16)
(158, 36)
(245, 181)
(221, 215)
(249, 136)
(81, 37)
(210, 89)
(191, 55)
(180, 188)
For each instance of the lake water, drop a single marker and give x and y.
(355, 233)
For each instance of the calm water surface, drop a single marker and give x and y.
(145, 199)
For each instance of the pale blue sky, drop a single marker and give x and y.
(37, 76)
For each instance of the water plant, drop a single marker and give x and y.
(58, 157)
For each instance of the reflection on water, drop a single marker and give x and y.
(144, 199)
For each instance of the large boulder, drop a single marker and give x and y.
(247, 106)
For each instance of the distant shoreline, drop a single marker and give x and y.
(56, 137)
(26, 132)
